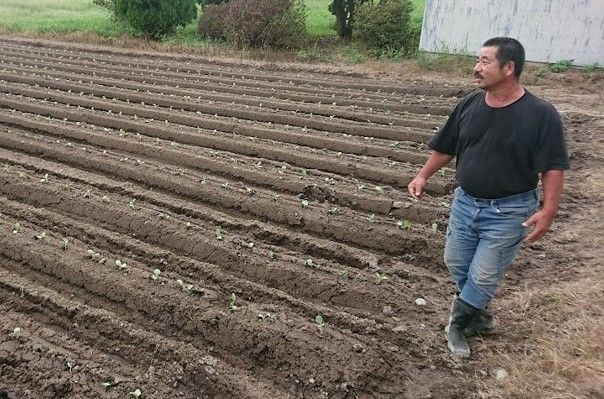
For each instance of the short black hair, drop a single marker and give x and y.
(508, 49)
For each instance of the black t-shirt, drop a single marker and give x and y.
(500, 151)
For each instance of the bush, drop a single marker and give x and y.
(204, 3)
(212, 22)
(258, 23)
(155, 18)
(385, 26)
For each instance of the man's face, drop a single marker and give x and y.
(488, 73)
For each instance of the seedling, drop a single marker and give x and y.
(271, 255)
(16, 227)
(184, 286)
(44, 179)
(344, 273)
(333, 210)
(92, 253)
(379, 277)
(276, 197)
(232, 301)
(319, 320)
(7, 167)
(371, 217)
(250, 191)
(404, 224)
(434, 228)
(189, 225)
(136, 393)
(225, 185)
(309, 263)
(87, 193)
(131, 204)
(16, 332)
(249, 245)
(304, 203)
(163, 216)
(283, 169)
(41, 235)
(155, 274)
(65, 242)
(119, 265)
(379, 189)
(218, 234)
(104, 198)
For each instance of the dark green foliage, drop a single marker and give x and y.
(345, 10)
(155, 18)
(385, 26)
(204, 3)
(257, 23)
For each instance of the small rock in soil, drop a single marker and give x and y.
(501, 374)
(420, 302)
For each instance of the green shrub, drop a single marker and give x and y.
(212, 22)
(385, 26)
(155, 18)
(266, 23)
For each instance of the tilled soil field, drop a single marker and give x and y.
(210, 230)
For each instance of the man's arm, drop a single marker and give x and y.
(436, 161)
(552, 182)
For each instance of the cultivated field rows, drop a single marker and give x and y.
(176, 227)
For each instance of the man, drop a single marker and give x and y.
(503, 138)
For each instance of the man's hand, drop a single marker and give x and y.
(541, 222)
(416, 187)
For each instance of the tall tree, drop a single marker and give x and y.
(344, 12)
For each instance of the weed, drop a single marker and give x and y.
(434, 228)
(163, 216)
(379, 277)
(344, 273)
(249, 245)
(304, 203)
(119, 265)
(272, 255)
(333, 210)
(41, 235)
(561, 66)
(232, 301)
(65, 242)
(309, 263)
(155, 274)
(132, 205)
(593, 68)
(404, 224)
(92, 254)
(136, 393)
(7, 167)
(250, 191)
(184, 286)
(218, 233)
(44, 179)
(319, 320)
(16, 227)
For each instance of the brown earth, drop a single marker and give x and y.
(274, 194)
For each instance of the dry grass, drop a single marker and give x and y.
(558, 351)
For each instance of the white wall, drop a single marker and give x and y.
(550, 30)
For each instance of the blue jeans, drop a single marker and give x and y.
(483, 237)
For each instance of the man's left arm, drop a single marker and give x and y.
(552, 182)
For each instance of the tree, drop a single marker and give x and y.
(155, 18)
(344, 11)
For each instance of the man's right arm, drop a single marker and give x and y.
(436, 161)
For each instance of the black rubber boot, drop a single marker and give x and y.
(483, 323)
(461, 316)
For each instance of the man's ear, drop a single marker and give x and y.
(509, 68)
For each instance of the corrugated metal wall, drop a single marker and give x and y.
(550, 30)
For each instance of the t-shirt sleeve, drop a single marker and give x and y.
(446, 138)
(551, 152)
